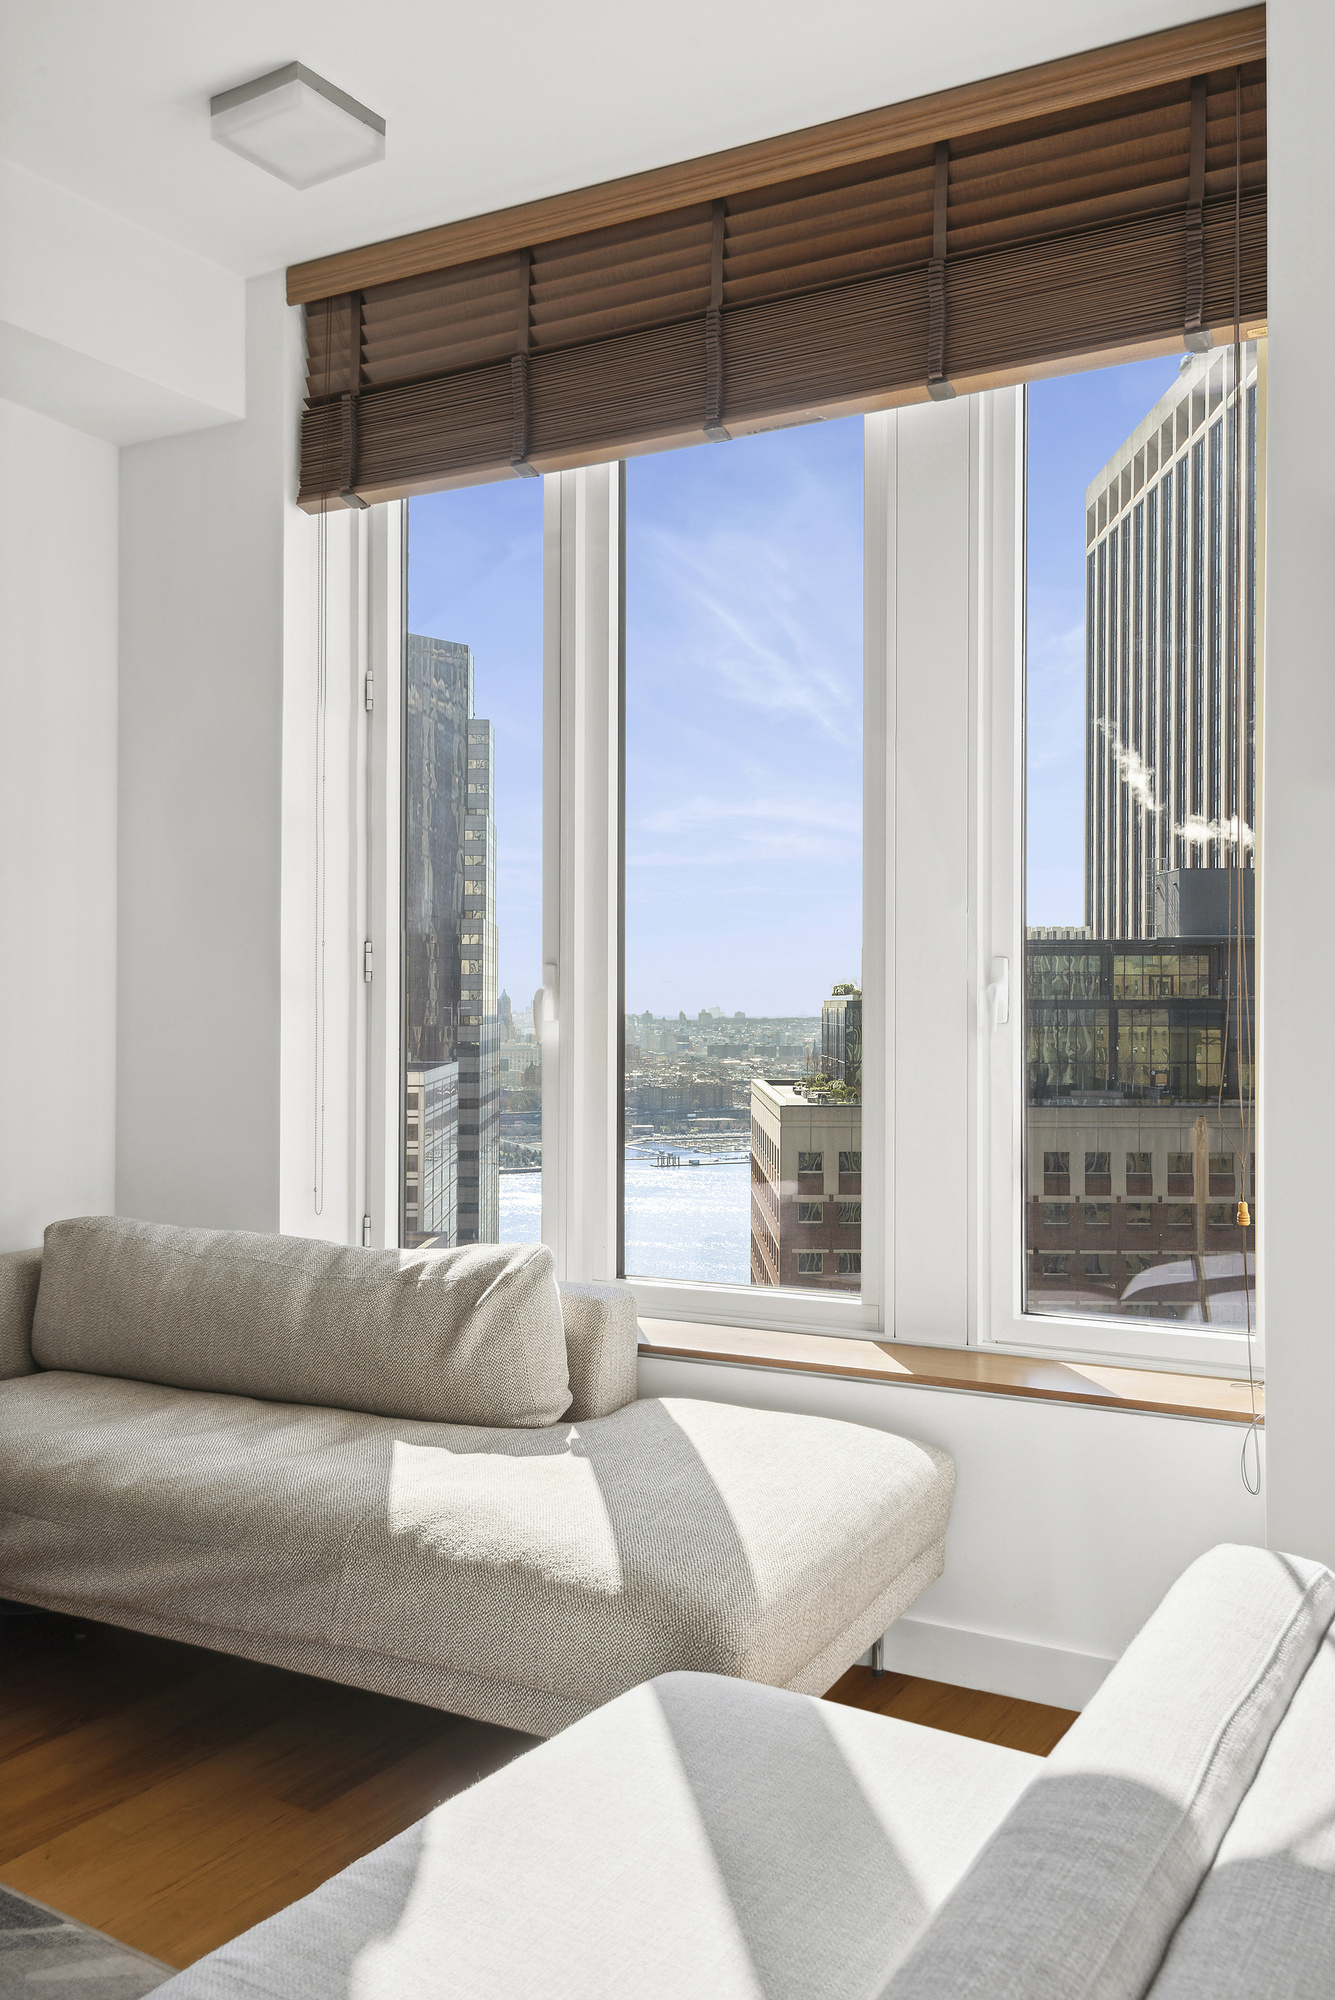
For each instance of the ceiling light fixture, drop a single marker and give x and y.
(295, 125)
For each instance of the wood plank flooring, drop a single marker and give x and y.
(172, 1797)
(993, 1718)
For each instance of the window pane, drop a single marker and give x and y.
(1140, 717)
(472, 867)
(743, 840)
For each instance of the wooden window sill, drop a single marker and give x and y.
(968, 1368)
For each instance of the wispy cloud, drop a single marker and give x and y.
(759, 628)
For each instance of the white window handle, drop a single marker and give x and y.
(544, 1004)
(999, 994)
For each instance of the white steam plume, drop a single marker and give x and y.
(1198, 831)
(1132, 769)
(1195, 830)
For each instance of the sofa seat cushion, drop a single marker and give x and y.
(470, 1336)
(696, 1840)
(559, 1567)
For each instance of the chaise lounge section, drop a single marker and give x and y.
(255, 1444)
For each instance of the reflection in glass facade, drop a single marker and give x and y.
(1132, 1121)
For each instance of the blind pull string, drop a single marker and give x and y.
(519, 373)
(715, 428)
(351, 406)
(1195, 336)
(321, 677)
(939, 387)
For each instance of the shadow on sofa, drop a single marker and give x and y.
(742, 1835)
(704, 1839)
(520, 1572)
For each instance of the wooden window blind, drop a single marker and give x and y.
(936, 247)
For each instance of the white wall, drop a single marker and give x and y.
(203, 524)
(107, 326)
(1068, 1525)
(57, 824)
(1298, 807)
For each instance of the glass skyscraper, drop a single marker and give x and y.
(452, 985)
(1162, 703)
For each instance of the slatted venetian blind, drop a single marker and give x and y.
(1092, 206)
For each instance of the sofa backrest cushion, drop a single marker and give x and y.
(468, 1336)
(19, 1272)
(602, 1349)
(1080, 1890)
(1262, 1925)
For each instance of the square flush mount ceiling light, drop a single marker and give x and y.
(294, 124)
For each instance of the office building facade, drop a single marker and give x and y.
(431, 1155)
(806, 1188)
(1135, 1155)
(450, 924)
(1163, 718)
(841, 1036)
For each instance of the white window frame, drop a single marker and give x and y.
(762, 1307)
(943, 851)
(1000, 1321)
(340, 917)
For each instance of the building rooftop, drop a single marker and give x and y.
(793, 1091)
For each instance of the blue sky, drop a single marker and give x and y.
(744, 722)
(744, 712)
(744, 694)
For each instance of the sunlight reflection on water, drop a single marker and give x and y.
(681, 1222)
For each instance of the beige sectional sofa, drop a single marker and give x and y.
(426, 1473)
(702, 1839)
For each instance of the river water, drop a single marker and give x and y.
(681, 1222)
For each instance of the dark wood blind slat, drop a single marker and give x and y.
(1067, 233)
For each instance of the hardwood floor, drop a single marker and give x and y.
(173, 1797)
(994, 1718)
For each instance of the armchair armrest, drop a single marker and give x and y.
(19, 1273)
(602, 1345)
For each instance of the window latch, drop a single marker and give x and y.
(544, 1003)
(999, 994)
(366, 961)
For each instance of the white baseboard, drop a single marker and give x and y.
(993, 1663)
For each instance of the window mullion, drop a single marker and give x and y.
(581, 1073)
(880, 575)
(383, 708)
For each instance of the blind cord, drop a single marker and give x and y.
(321, 682)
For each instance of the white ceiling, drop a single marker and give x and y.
(485, 105)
